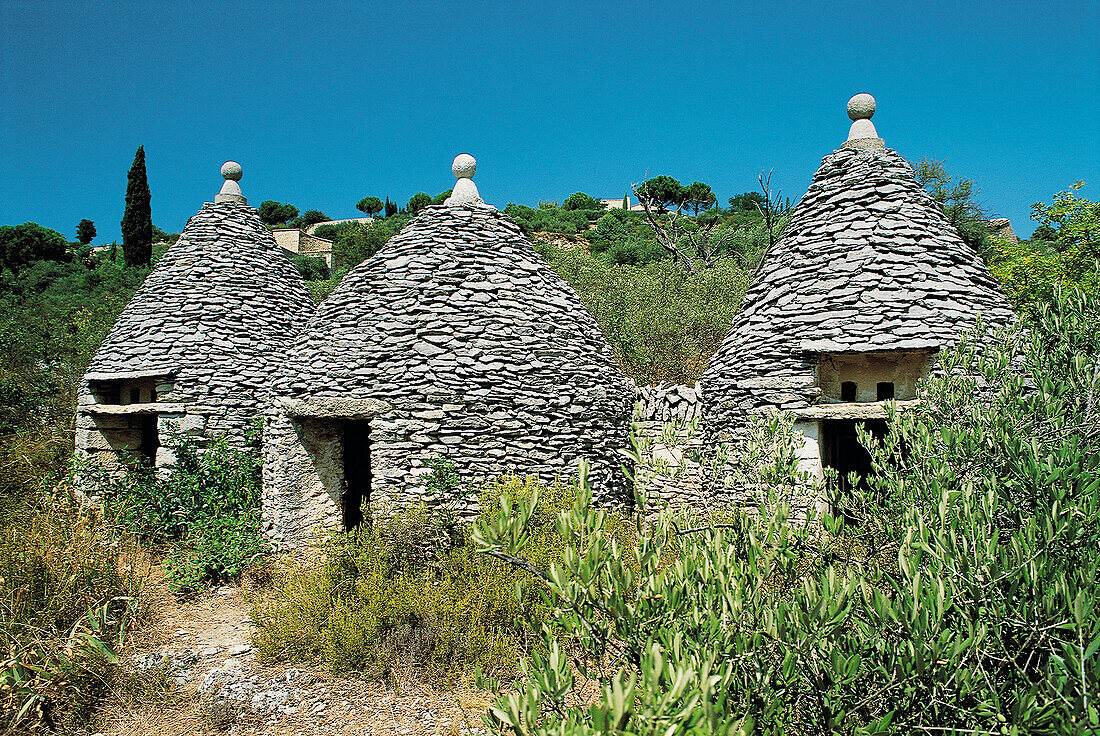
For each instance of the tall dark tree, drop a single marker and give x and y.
(85, 231)
(390, 207)
(137, 219)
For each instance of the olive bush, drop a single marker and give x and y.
(956, 593)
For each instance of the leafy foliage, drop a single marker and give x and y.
(551, 219)
(403, 594)
(22, 245)
(958, 593)
(312, 268)
(417, 202)
(369, 205)
(662, 192)
(355, 242)
(85, 231)
(274, 213)
(662, 323)
(70, 586)
(957, 199)
(137, 218)
(208, 506)
(581, 201)
(310, 217)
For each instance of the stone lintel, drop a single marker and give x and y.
(154, 407)
(814, 348)
(861, 410)
(320, 407)
(131, 375)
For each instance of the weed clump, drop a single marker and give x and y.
(70, 586)
(205, 513)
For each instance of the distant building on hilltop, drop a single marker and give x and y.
(296, 242)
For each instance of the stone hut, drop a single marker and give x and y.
(848, 309)
(199, 342)
(454, 342)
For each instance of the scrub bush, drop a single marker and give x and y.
(398, 596)
(70, 587)
(205, 512)
(964, 599)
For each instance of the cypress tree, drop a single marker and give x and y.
(626, 201)
(137, 219)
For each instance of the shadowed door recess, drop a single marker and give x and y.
(357, 474)
(843, 451)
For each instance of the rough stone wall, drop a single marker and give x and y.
(867, 264)
(481, 355)
(208, 327)
(667, 422)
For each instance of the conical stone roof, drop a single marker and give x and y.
(482, 353)
(216, 315)
(867, 263)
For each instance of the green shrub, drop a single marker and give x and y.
(312, 268)
(662, 324)
(207, 509)
(405, 594)
(964, 600)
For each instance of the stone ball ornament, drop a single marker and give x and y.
(464, 166)
(861, 107)
(232, 170)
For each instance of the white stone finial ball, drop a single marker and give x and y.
(232, 170)
(464, 166)
(861, 107)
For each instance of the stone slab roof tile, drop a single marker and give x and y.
(223, 297)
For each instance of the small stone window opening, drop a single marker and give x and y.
(885, 390)
(848, 391)
(135, 396)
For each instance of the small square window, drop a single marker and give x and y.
(885, 390)
(848, 391)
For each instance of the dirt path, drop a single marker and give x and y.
(193, 671)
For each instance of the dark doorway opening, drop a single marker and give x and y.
(848, 391)
(357, 475)
(150, 439)
(841, 448)
(885, 390)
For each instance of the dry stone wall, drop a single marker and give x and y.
(469, 348)
(867, 264)
(667, 427)
(205, 331)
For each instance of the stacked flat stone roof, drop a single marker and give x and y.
(481, 352)
(217, 314)
(868, 263)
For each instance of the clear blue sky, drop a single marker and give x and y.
(324, 103)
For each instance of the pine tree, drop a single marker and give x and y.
(137, 219)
